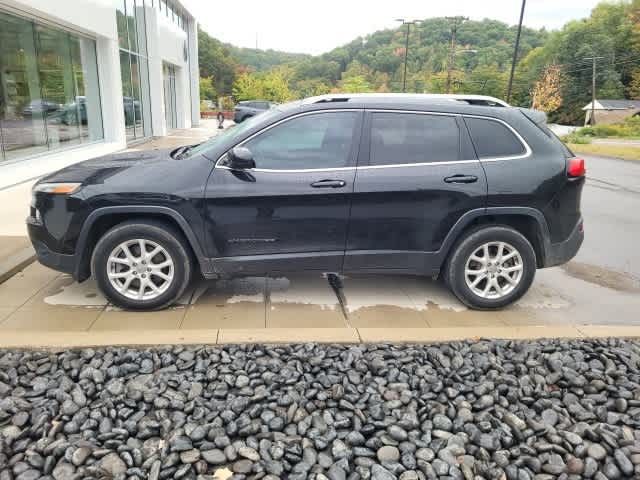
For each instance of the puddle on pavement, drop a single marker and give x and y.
(370, 296)
(85, 294)
(236, 290)
(302, 291)
(603, 277)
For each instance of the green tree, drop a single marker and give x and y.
(275, 86)
(207, 89)
(247, 87)
(633, 90)
(485, 80)
(216, 61)
(354, 84)
(311, 88)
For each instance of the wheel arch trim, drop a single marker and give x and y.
(470, 216)
(98, 213)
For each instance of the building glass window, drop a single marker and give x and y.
(134, 67)
(49, 89)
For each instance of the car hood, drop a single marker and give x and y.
(98, 169)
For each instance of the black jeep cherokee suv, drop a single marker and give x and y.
(480, 196)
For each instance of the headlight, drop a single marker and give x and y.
(57, 188)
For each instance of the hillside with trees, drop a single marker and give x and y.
(553, 72)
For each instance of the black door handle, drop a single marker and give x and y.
(461, 179)
(329, 184)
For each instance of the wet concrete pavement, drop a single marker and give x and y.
(598, 292)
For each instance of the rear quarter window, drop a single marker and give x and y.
(493, 139)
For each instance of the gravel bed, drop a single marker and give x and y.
(516, 410)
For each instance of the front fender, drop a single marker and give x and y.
(82, 254)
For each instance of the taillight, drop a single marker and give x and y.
(576, 167)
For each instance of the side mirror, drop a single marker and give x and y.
(241, 158)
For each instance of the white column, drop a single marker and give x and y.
(183, 101)
(156, 91)
(108, 54)
(91, 89)
(194, 71)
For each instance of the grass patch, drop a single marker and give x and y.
(617, 151)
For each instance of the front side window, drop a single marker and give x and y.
(409, 138)
(493, 139)
(322, 140)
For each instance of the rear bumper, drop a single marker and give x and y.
(46, 256)
(562, 252)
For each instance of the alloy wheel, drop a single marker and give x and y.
(494, 270)
(140, 269)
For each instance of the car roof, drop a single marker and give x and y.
(484, 100)
(420, 103)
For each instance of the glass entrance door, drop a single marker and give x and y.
(170, 113)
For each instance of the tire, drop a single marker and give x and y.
(520, 268)
(172, 261)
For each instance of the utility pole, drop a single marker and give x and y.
(408, 23)
(455, 21)
(515, 52)
(592, 120)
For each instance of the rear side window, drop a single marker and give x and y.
(406, 138)
(493, 139)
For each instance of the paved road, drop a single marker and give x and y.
(611, 205)
(600, 287)
(623, 142)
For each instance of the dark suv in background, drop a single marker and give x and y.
(479, 196)
(248, 109)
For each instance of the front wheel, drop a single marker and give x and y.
(141, 265)
(491, 268)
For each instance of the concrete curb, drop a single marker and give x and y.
(147, 338)
(16, 262)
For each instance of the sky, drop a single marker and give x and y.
(317, 26)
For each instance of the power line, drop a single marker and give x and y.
(592, 119)
(515, 52)
(455, 22)
(406, 50)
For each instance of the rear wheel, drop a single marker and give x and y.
(491, 268)
(141, 265)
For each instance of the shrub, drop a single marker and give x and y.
(630, 127)
(576, 138)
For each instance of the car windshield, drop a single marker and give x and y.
(232, 133)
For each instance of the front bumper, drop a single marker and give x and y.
(46, 256)
(562, 252)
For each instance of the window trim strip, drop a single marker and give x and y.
(283, 120)
(526, 154)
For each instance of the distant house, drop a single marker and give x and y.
(611, 111)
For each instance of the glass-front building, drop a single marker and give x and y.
(49, 88)
(134, 67)
(85, 78)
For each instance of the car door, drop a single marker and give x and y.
(417, 175)
(291, 211)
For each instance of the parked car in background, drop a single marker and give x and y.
(40, 107)
(476, 195)
(250, 108)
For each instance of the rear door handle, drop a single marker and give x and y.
(461, 179)
(329, 184)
